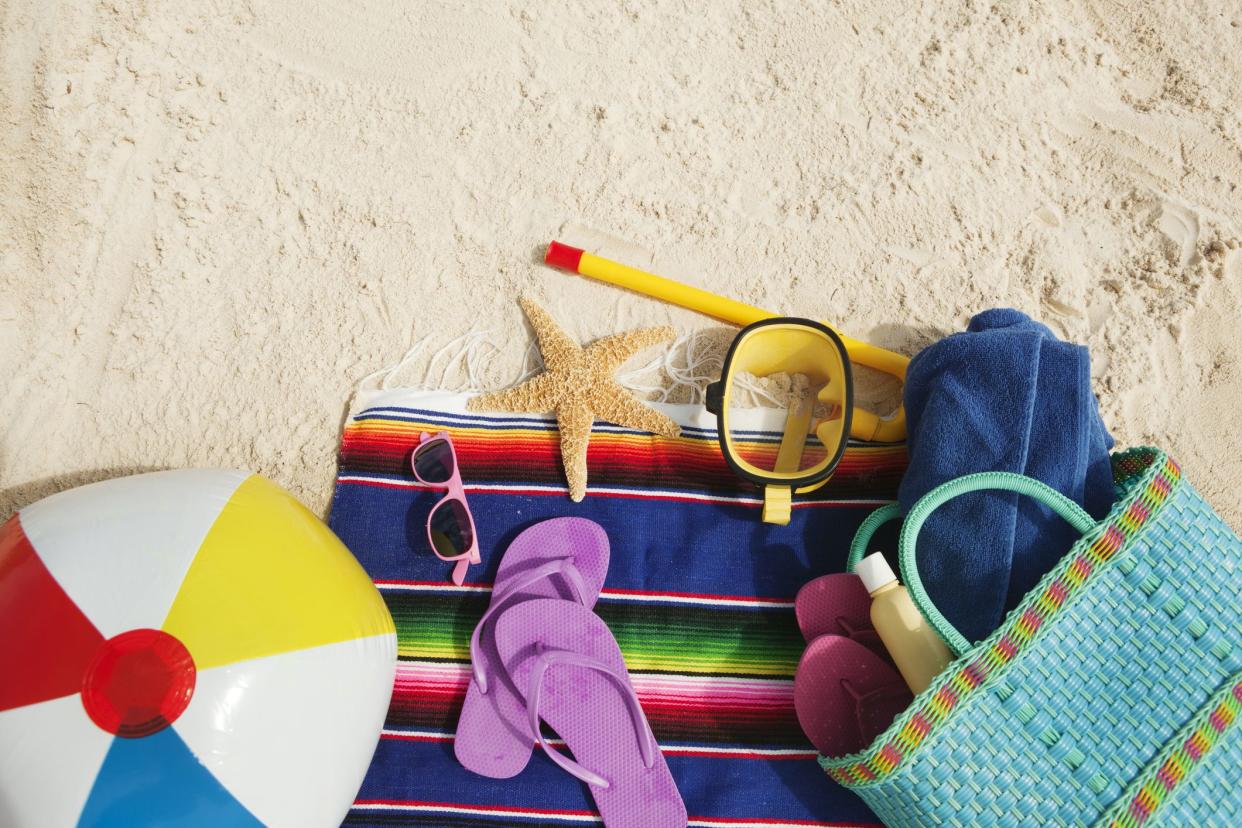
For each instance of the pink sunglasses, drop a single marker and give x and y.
(450, 526)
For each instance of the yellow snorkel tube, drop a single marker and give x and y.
(864, 425)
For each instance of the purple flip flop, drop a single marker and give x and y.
(573, 677)
(838, 604)
(562, 558)
(845, 695)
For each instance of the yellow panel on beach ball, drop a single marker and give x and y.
(270, 578)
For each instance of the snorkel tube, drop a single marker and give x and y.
(865, 425)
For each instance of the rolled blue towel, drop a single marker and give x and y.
(1005, 395)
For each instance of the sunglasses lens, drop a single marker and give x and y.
(451, 532)
(433, 461)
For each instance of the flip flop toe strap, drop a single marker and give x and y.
(560, 566)
(547, 659)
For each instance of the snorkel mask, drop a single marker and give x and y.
(810, 363)
(823, 418)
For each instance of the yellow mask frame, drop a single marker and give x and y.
(794, 346)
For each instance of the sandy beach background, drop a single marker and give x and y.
(217, 218)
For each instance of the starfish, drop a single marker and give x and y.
(578, 385)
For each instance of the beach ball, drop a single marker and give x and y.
(185, 648)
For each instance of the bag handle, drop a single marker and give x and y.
(921, 511)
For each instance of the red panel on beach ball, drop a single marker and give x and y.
(47, 642)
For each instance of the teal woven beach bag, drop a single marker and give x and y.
(1109, 696)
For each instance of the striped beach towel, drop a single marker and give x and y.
(699, 595)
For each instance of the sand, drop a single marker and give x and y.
(217, 218)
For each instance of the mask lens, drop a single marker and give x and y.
(772, 422)
(451, 532)
(433, 461)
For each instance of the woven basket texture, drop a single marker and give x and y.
(1108, 696)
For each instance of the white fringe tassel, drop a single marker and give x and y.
(678, 373)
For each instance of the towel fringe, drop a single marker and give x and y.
(677, 373)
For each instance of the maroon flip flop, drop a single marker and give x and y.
(565, 559)
(572, 675)
(838, 604)
(845, 695)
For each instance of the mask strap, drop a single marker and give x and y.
(777, 503)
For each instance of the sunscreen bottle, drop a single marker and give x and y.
(916, 649)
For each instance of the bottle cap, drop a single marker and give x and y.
(874, 571)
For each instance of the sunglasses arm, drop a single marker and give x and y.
(459, 571)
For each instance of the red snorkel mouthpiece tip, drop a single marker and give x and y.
(563, 256)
